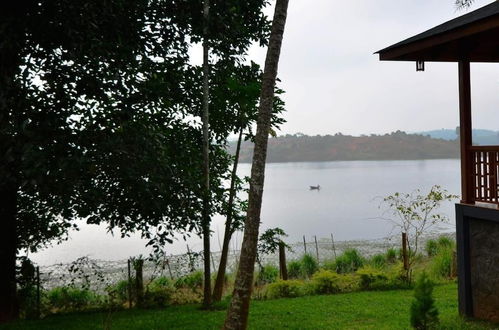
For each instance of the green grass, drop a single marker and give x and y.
(359, 310)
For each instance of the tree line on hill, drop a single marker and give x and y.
(394, 146)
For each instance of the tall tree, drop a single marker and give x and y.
(92, 102)
(243, 87)
(95, 106)
(237, 314)
(232, 26)
(206, 159)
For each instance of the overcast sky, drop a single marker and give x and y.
(334, 83)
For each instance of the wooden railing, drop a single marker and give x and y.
(485, 176)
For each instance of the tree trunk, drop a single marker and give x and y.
(206, 162)
(219, 283)
(9, 308)
(282, 262)
(237, 315)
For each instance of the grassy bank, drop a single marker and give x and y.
(358, 310)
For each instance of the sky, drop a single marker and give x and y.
(334, 82)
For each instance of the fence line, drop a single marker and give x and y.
(98, 274)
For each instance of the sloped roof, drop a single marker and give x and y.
(475, 34)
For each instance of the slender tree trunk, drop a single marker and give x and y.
(219, 283)
(12, 16)
(282, 262)
(9, 309)
(237, 315)
(206, 161)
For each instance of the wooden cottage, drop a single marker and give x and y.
(473, 37)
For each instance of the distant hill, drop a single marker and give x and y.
(480, 136)
(394, 146)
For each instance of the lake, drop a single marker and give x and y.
(347, 205)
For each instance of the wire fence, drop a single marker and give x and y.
(99, 274)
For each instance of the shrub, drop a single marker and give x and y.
(309, 265)
(284, 289)
(182, 296)
(161, 282)
(372, 278)
(431, 247)
(160, 291)
(325, 282)
(26, 293)
(445, 242)
(268, 274)
(72, 299)
(348, 282)
(158, 296)
(424, 314)
(118, 292)
(27, 302)
(441, 264)
(349, 261)
(378, 260)
(391, 255)
(329, 264)
(192, 281)
(295, 269)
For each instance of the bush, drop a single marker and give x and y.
(329, 264)
(325, 282)
(118, 292)
(192, 281)
(284, 289)
(372, 278)
(445, 242)
(27, 302)
(158, 296)
(309, 265)
(431, 247)
(182, 296)
(378, 261)
(160, 291)
(441, 264)
(349, 261)
(391, 255)
(72, 299)
(268, 274)
(424, 314)
(161, 282)
(295, 269)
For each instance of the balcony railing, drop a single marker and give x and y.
(485, 164)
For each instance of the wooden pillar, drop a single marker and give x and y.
(467, 189)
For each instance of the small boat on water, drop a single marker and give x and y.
(318, 187)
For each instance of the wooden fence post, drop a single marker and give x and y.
(334, 249)
(38, 302)
(139, 282)
(129, 285)
(282, 261)
(316, 248)
(304, 244)
(169, 268)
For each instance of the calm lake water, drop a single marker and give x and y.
(348, 205)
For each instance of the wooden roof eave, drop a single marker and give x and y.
(425, 49)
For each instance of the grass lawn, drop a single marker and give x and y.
(359, 310)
